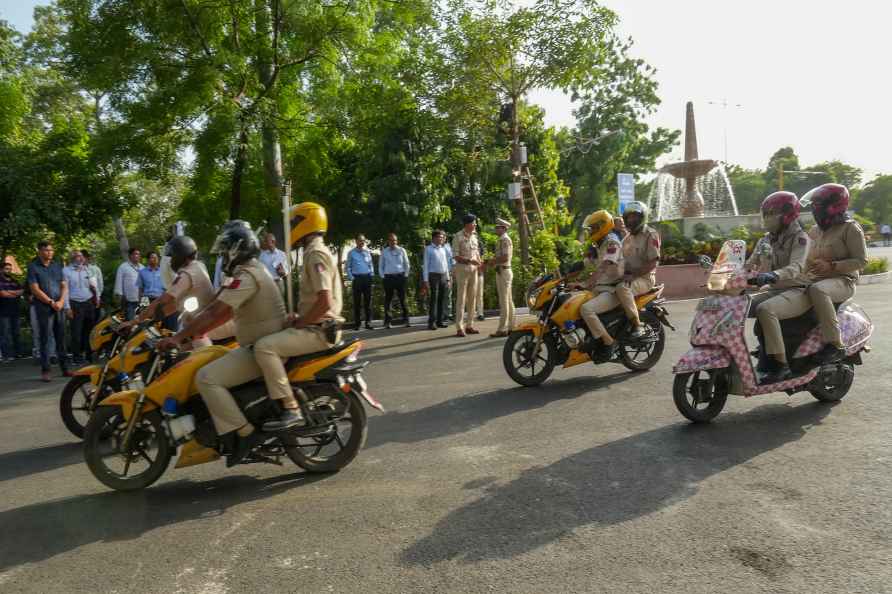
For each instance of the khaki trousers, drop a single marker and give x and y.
(506, 300)
(795, 302)
(478, 307)
(270, 351)
(626, 293)
(600, 303)
(465, 295)
(214, 379)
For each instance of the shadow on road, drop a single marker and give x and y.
(37, 532)
(375, 355)
(459, 415)
(26, 462)
(612, 483)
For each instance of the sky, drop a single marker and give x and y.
(811, 74)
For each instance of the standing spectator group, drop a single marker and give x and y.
(444, 265)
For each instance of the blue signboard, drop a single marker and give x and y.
(625, 189)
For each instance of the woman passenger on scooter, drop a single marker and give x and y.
(779, 257)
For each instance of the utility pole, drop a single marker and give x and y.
(724, 105)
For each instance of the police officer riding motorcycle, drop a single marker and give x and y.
(641, 254)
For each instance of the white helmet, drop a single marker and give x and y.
(635, 207)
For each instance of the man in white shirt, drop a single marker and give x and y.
(126, 283)
(274, 259)
(436, 279)
(393, 266)
(81, 306)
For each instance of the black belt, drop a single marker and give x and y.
(501, 268)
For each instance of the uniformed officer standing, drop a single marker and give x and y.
(191, 280)
(501, 262)
(316, 326)
(466, 251)
(608, 273)
(641, 254)
(837, 254)
(779, 257)
(254, 301)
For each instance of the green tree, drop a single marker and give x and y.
(748, 186)
(502, 52)
(612, 102)
(875, 200)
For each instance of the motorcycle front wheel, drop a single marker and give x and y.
(523, 365)
(149, 452)
(700, 396)
(338, 445)
(75, 403)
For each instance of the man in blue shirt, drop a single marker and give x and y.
(81, 306)
(435, 279)
(150, 283)
(360, 270)
(50, 293)
(394, 269)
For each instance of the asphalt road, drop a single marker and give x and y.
(591, 483)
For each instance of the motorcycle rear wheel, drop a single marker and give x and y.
(690, 391)
(335, 449)
(516, 357)
(629, 354)
(102, 449)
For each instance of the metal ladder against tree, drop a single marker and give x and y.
(529, 201)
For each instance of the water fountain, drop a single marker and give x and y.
(693, 188)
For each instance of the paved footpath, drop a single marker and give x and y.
(591, 483)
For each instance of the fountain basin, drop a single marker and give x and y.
(690, 169)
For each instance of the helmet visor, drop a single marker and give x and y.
(808, 198)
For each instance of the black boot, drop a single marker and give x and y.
(290, 418)
(781, 372)
(241, 448)
(765, 363)
(830, 354)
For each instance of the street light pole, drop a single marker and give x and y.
(724, 105)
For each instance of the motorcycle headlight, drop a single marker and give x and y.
(533, 297)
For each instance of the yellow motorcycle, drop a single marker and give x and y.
(560, 336)
(132, 437)
(91, 383)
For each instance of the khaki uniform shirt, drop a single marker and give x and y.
(606, 277)
(465, 246)
(785, 255)
(256, 302)
(319, 273)
(504, 249)
(641, 248)
(192, 280)
(842, 244)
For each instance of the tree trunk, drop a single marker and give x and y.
(272, 149)
(121, 235)
(238, 170)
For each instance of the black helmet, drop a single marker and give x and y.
(236, 244)
(179, 249)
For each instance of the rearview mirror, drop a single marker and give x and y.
(191, 304)
(705, 262)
